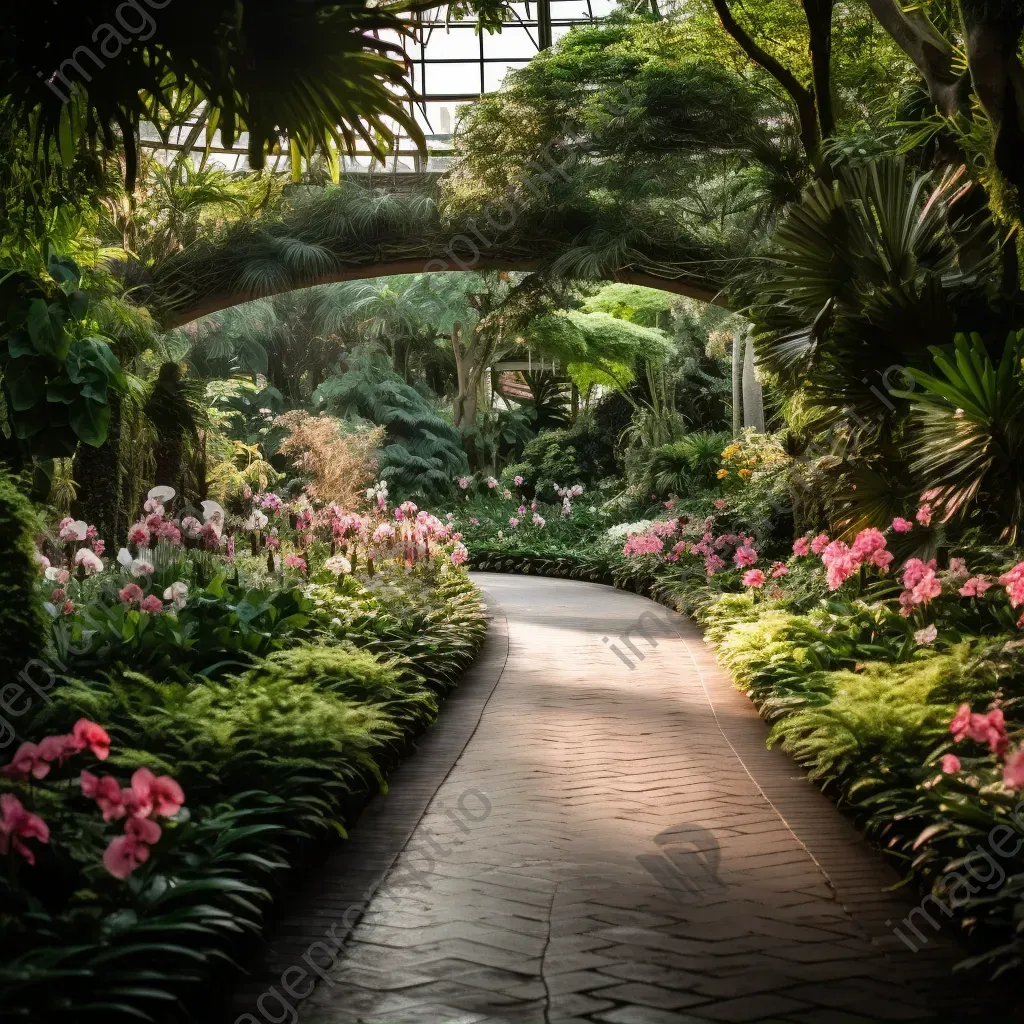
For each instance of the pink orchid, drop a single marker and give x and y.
(124, 855)
(151, 605)
(57, 748)
(1013, 770)
(901, 525)
(161, 796)
(143, 830)
(975, 587)
(17, 824)
(753, 578)
(779, 569)
(131, 594)
(1014, 583)
(989, 728)
(802, 547)
(138, 533)
(95, 737)
(113, 801)
(819, 543)
(27, 761)
(924, 515)
(950, 764)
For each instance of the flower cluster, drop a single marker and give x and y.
(990, 729)
(146, 798)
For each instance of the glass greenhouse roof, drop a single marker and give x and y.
(451, 65)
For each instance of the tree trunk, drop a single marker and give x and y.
(753, 398)
(737, 381)
(97, 472)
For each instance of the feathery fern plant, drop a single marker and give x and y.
(423, 455)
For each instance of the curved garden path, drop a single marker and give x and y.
(582, 839)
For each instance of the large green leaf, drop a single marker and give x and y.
(45, 326)
(90, 421)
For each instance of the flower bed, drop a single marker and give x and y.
(229, 688)
(888, 664)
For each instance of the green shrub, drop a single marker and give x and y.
(354, 675)
(23, 623)
(251, 731)
(690, 463)
(882, 715)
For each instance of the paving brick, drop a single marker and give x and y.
(644, 859)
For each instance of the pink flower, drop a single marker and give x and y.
(142, 830)
(1013, 771)
(712, 563)
(1014, 583)
(130, 594)
(961, 722)
(721, 504)
(27, 760)
(463, 482)
(151, 605)
(138, 533)
(819, 543)
(113, 801)
(160, 796)
(753, 578)
(975, 587)
(745, 556)
(98, 547)
(518, 481)
(57, 596)
(924, 515)
(474, 521)
(643, 544)
(513, 522)
(68, 608)
(89, 560)
(779, 569)
(950, 764)
(802, 547)
(95, 737)
(914, 570)
(926, 635)
(295, 562)
(990, 728)
(459, 554)
(57, 748)
(958, 567)
(902, 525)
(17, 824)
(124, 855)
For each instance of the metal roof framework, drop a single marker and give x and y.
(451, 65)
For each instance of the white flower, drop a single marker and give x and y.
(177, 593)
(213, 512)
(124, 558)
(57, 575)
(74, 529)
(140, 567)
(161, 494)
(338, 564)
(256, 521)
(90, 560)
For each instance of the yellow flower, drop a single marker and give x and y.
(744, 473)
(722, 474)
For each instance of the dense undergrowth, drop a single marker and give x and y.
(209, 721)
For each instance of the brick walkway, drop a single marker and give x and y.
(596, 841)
